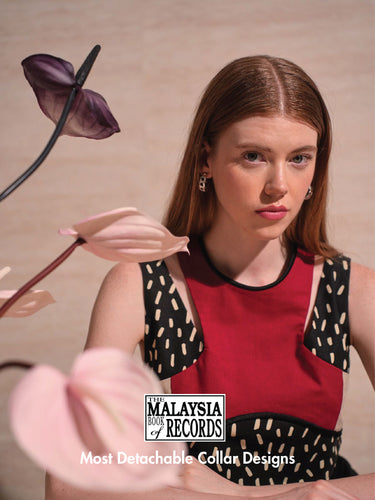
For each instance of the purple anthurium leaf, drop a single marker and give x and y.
(99, 406)
(52, 80)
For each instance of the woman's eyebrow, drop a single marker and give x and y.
(248, 145)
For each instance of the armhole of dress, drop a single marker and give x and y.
(329, 336)
(171, 340)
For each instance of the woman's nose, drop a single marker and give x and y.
(276, 184)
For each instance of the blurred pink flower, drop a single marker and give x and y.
(52, 80)
(98, 407)
(128, 235)
(28, 304)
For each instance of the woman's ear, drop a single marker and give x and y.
(205, 160)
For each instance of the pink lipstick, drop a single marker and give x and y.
(273, 212)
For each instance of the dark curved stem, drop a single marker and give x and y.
(80, 77)
(43, 155)
(16, 364)
(26, 287)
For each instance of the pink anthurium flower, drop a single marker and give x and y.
(52, 80)
(28, 304)
(57, 420)
(125, 234)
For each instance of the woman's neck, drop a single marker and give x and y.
(252, 263)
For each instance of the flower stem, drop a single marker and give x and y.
(81, 76)
(45, 272)
(15, 364)
(43, 155)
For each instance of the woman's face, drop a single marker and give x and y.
(261, 168)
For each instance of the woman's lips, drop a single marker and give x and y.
(273, 212)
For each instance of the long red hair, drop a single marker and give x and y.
(258, 85)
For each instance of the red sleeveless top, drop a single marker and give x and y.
(254, 348)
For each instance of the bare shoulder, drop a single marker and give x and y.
(362, 288)
(362, 314)
(118, 314)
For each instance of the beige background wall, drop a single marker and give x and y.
(156, 58)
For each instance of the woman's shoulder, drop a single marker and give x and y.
(362, 311)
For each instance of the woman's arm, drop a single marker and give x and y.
(362, 316)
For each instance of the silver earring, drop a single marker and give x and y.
(203, 182)
(309, 193)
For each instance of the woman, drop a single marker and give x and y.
(264, 308)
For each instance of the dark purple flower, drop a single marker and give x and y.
(52, 80)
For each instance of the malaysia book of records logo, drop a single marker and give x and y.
(184, 417)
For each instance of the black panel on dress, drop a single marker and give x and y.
(277, 438)
(171, 341)
(329, 337)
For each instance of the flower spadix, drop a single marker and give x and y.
(98, 408)
(125, 234)
(52, 80)
(28, 304)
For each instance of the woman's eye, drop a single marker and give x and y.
(252, 156)
(301, 159)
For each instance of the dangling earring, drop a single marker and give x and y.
(309, 193)
(203, 182)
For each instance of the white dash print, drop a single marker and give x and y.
(257, 424)
(183, 348)
(157, 314)
(192, 335)
(317, 439)
(337, 329)
(172, 288)
(172, 360)
(162, 280)
(149, 269)
(342, 318)
(329, 289)
(158, 297)
(269, 424)
(149, 284)
(174, 304)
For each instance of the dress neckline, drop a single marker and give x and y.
(284, 274)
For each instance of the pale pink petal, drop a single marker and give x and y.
(29, 303)
(4, 271)
(128, 235)
(101, 403)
